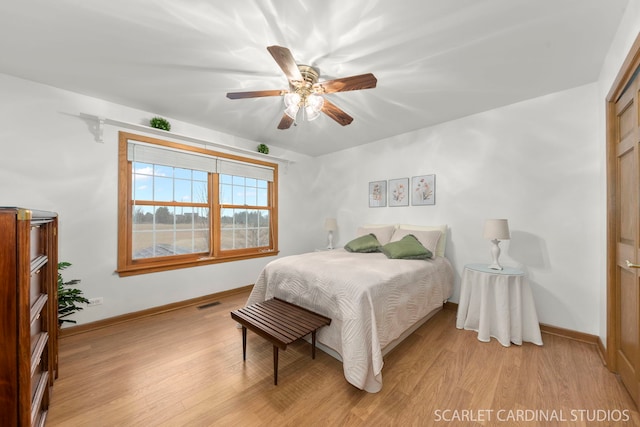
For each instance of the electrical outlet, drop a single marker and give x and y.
(95, 301)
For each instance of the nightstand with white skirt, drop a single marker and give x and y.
(499, 304)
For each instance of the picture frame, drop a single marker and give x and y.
(377, 194)
(423, 190)
(399, 192)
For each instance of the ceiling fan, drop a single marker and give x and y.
(305, 92)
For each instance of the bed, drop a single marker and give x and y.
(373, 301)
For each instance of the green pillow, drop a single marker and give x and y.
(406, 248)
(366, 243)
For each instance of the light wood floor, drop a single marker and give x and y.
(185, 368)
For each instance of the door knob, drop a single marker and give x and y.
(632, 265)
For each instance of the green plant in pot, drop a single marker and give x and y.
(263, 148)
(160, 123)
(68, 296)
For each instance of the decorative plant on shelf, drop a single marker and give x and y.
(263, 148)
(68, 296)
(160, 123)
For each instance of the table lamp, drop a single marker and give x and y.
(496, 230)
(330, 225)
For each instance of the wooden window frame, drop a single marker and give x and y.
(127, 266)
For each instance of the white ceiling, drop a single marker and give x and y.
(435, 60)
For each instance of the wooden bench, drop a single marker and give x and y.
(279, 322)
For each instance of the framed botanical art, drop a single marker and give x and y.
(399, 192)
(423, 190)
(377, 194)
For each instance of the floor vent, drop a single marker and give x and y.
(211, 304)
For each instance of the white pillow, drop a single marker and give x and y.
(442, 242)
(428, 239)
(382, 232)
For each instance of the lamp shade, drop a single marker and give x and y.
(496, 229)
(330, 224)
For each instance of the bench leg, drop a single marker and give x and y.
(244, 343)
(313, 344)
(275, 365)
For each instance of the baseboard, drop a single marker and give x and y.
(602, 351)
(86, 327)
(560, 332)
(568, 333)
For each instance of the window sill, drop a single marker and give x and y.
(134, 270)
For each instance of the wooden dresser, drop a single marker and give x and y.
(28, 314)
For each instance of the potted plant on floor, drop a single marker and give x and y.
(68, 296)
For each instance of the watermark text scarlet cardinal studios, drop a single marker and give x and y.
(531, 415)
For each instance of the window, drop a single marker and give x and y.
(183, 206)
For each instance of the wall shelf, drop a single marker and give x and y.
(100, 122)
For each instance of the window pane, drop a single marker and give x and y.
(239, 238)
(182, 173)
(164, 231)
(199, 175)
(239, 217)
(243, 228)
(262, 197)
(226, 195)
(200, 192)
(183, 191)
(143, 168)
(162, 189)
(159, 170)
(142, 187)
(251, 196)
(244, 191)
(238, 195)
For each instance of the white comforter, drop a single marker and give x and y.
(371, 300)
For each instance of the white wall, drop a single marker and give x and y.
(625, 36)
(51, 161)
(536, 163)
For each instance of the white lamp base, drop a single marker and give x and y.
(495, 254)
(330, 240)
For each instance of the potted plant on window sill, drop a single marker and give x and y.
(68, 296)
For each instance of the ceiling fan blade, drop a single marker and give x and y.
(336, 113)
(285, 60)
(286, 122)
(363, 81)
(255, 94)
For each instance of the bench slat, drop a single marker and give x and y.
(283, 320)
(265, 320)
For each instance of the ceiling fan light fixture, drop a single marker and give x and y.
(311, 113)
(315, 102)
(292, 110)
(291, 98)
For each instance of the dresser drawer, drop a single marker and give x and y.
(35, 242)
(38, 268)
(39, 397)
(38, 347)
